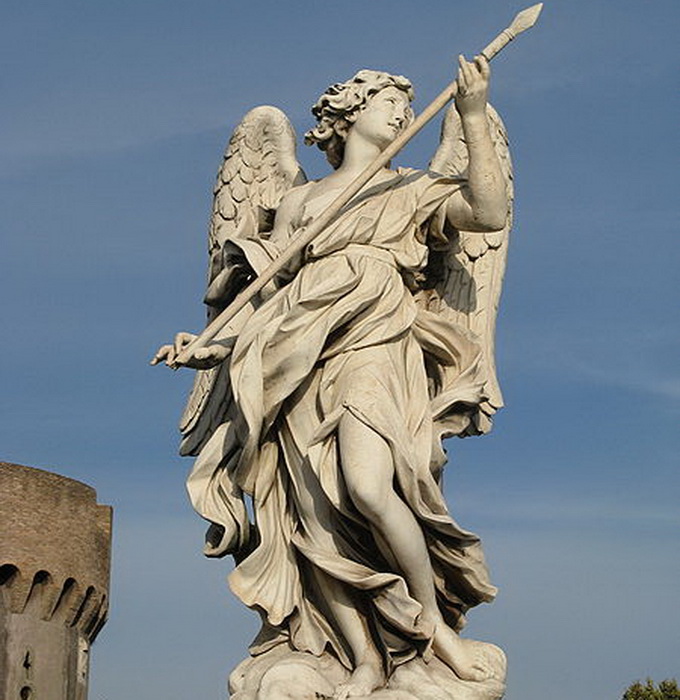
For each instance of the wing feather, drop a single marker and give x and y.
(259, 166)
(467, 286)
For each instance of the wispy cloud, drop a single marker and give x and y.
(608, 353)
(563, 513)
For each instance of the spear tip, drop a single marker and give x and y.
(526, 18)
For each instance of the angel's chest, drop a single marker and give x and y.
(383, 216)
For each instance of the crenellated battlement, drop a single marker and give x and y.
(55, 545)
(66, 602)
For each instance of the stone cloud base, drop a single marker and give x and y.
(283, 674)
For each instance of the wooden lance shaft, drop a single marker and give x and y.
(523, 21)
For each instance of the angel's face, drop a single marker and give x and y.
(385, 115)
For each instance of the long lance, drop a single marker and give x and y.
(523, 21)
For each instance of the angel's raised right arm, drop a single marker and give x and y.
(482, 203)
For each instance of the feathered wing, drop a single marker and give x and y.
(258, 168)
(466, 277)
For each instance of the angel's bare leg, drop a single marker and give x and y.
(368, 468)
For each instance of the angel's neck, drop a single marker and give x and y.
(358, 155)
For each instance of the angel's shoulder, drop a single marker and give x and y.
(292, 201)
(297, 193)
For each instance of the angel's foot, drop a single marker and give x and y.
(459, 655)
(366, 677)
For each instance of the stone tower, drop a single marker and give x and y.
(55, 552)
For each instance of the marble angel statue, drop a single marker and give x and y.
(317, 416)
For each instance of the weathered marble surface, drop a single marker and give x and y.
(321, 407)
(282, 674)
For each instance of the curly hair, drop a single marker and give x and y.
(339, 106)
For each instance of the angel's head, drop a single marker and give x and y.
(338, 108)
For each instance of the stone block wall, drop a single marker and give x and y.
(55, 554)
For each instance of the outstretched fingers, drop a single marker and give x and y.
(162, 355)
(168, 353)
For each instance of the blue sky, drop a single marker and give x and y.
(114, 118)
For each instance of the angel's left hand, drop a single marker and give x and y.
(473, 86)
(203, 358)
